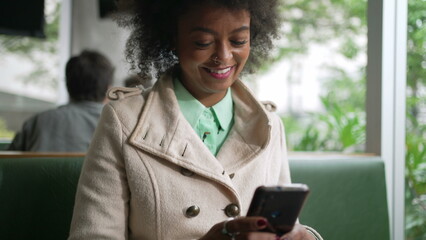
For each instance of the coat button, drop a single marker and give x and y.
(232, 210)
(192, 211)
(186, 172)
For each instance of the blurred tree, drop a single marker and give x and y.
(38, 50)
(340, 127)
(307, 22)
(415, 207)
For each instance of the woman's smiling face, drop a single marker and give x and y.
(213, 45)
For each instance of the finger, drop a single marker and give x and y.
(246, 224)
(257, 236)
(298, 232)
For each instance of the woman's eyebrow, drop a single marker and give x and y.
(207, 30)
(203, 29)
(240, 29)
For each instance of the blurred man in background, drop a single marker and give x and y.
(69, 128)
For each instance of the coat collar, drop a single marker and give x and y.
(192, 109)
(162, 130)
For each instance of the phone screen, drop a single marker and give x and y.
(281, 205)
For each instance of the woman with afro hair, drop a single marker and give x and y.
(181, 160)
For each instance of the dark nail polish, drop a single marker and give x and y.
(261, 223)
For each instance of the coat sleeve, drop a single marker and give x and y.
(101, 204)
(285, 175)
(285, 168)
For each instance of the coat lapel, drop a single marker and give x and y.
(251, 131)
(162, 130)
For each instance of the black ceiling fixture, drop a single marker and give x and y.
(22, 18)
(107, 7)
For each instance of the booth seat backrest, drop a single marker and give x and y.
(37, 197)
(347, 199)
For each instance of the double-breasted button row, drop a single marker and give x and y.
(192, 211)
(232, 210)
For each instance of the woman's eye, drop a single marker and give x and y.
(239, 43)
(203, 44)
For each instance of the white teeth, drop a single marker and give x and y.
(222, 71)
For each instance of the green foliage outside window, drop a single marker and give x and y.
(37, 50)
(341, 126)
(416, 122)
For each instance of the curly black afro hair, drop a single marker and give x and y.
(153, 25)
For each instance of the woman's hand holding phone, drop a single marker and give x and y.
(299, 232)
(240, 228)
(272, 215)
(280, 205)
(251, 228)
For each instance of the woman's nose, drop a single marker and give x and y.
(223, 52)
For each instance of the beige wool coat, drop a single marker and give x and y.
(146, 167)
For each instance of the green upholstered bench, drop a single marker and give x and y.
(347, 199)
(37, 196)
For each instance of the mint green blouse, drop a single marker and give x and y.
(211, 124)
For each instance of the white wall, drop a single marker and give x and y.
(89, 31)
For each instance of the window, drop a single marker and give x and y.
(30, 73)
(385, 77)
(318, 77)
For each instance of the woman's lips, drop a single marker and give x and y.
(220, 73)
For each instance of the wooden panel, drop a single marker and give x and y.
(13, 154)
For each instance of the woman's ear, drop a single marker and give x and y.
(173, 45)
(174, 51)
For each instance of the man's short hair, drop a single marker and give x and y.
(88, 76)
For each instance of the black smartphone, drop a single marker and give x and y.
(281, 205)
